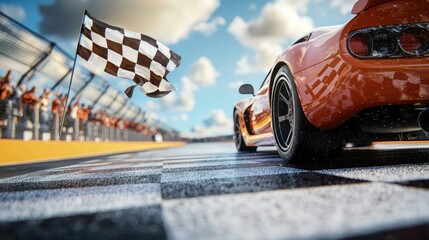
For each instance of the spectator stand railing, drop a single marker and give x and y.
(27, 124)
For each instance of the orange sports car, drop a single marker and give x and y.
(364, 81)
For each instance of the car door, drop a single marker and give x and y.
(260, 113)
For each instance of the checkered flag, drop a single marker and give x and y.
(128, 54)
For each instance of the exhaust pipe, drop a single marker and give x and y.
(424, 120)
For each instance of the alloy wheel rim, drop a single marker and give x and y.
(237, 132)
(284, 115)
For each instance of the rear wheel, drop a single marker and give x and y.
(296, 138)
(238, 137)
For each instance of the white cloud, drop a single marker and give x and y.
(236, 84)
(251, 7)
(217, 124)
(181, 100)
(218, 118)
(181, 118)
(345, 6)
(153, 106)
(14, 11)
(166, 20)
(188, 86)
(299, 5)
(279, 22)
(203, 73)
(244, 66)
(264, 57)
(185, 102)
(208, 28)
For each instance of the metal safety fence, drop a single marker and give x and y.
(33, 123)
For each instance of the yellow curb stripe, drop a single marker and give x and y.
(19, 151)
(406, 142)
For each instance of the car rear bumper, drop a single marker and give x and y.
(338, 88)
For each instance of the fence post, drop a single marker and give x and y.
(56, 120)
(11, 126)
(102, 132)
(36, 125)
(76, 129)
(87, 131)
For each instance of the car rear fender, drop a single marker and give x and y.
(274, 71)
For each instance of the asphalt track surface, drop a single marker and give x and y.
(209, 191)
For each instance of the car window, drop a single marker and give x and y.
(303, 39)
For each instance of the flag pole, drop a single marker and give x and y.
(72, 75)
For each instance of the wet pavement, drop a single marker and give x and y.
(209, 191)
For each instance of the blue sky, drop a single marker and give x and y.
(222, 43)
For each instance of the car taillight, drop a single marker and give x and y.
(384, 42)
(414, 40)
(360, 44)
(396, 41)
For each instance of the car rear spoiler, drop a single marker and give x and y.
(362, 5)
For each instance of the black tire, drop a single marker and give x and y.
(296, 138)
(238, 137)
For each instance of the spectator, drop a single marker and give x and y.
(8, 73)
(97, 116)
(120, 124)
(29, 101)
(80, 112)
(115, 121)
(6, 93)
(105, 119)
(86, 111)
(72, 113)
(44, 109)
(56, 110)
(20, 90)
(6, 88)
(17, 98)
(56, 104)
(95, 119)
(86, 114)
(63, 101)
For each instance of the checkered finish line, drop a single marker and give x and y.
(209, 191)
(128, 54)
